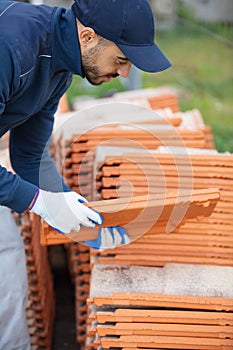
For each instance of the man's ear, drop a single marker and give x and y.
(87, 37)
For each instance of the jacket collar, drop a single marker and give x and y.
(66, 54)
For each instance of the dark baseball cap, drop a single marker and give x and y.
(127, 23)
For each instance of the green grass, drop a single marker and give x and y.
(202, 72)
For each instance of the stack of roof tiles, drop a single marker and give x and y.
(208, 241)
(166, 308)
(78, 165)
(41, 298)
(200, 203)
(78, 151)
(195, 242)
(80, 269)
(155, 99)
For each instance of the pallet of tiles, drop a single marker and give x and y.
(74, 158)
(77, 167)
(79, 258)
(206, 241)
(155, 99)
(191, 134)
(175, 307)
(77, 171)
(41, 299)
(166, 100)
(161, 250)
(79, 255)
(82, 271)
(169, 170)
(157, 171)
(150, 136)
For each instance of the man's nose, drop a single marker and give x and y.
(124, 70)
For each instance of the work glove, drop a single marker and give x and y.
(64, 211)
(109, 238)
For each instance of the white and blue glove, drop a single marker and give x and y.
(65, 212)
(109, 238)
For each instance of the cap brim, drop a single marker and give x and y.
(147, 58)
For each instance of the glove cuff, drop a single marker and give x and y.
(34, 199)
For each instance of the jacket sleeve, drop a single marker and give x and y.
(29, 145)
(29, 151)
(15, 193)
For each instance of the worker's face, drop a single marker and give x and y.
(102, 63)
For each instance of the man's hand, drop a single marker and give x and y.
(64, 211)
(109, 238)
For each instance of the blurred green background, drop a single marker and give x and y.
(201, 54)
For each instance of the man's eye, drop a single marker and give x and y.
(121, 62)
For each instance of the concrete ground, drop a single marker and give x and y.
(64, 326)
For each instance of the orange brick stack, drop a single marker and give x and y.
(208, 241)
(153, 98)
(196, 242)
(41, 297)
(77, 170)
(135, 309)
(79, 257)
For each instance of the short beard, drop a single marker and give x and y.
(89, 67)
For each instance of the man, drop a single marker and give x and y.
(40, 50)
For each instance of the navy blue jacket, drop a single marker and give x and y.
(39, 53)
